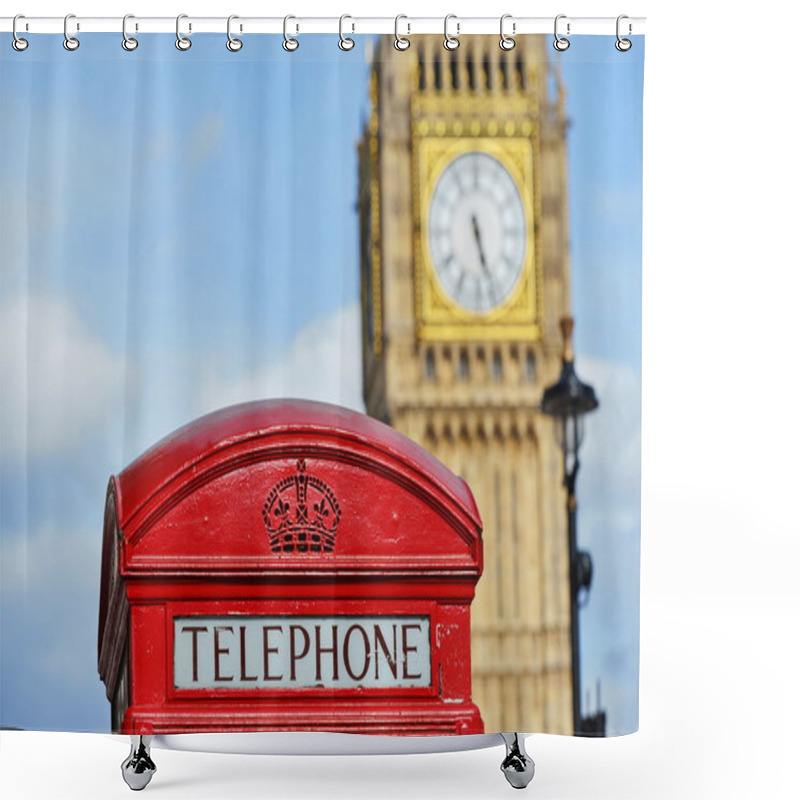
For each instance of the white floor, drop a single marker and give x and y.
(716, 721)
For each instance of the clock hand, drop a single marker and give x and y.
(490, 281)
(477, 232)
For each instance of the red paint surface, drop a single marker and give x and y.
(185, 534)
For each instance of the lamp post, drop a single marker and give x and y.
(567, 401)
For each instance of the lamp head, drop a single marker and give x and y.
(569, 396)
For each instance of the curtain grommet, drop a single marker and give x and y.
(71, 43)
(183, 43)
(401, 43)
(129, 43)
(507, 42)
(18, 43)
(345, 42)
(233, 44)
(451, 42)
(560, 43)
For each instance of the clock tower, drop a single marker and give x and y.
(464, 277)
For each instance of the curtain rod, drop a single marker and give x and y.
(351, 24)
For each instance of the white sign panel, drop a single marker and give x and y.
(258, 652)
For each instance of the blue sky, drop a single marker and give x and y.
(179, 233)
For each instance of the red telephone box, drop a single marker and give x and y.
(288, 565)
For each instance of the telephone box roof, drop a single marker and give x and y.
(187, 448)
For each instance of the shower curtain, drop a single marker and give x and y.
(445, 242)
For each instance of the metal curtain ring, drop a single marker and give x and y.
(181, 42)
(507, 42)
(560, 43)
(70, 42)
(18, 43)
(289, 44)
(128, 42)
(451, 42)
(623, 45)
(401, 42)
(233, 44)
(345, 42)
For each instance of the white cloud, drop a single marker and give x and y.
(613, 436)
(51, 561)
(323, 363)
(58, 382)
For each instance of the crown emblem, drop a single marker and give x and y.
(301, 514)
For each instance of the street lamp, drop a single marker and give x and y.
(567, 401)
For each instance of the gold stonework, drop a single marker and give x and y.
(439, 317)
(466, 385)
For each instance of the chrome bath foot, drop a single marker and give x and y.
(517, 766)
(138, 768)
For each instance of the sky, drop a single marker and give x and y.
(179, 233)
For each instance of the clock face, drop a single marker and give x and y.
(476, 231)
